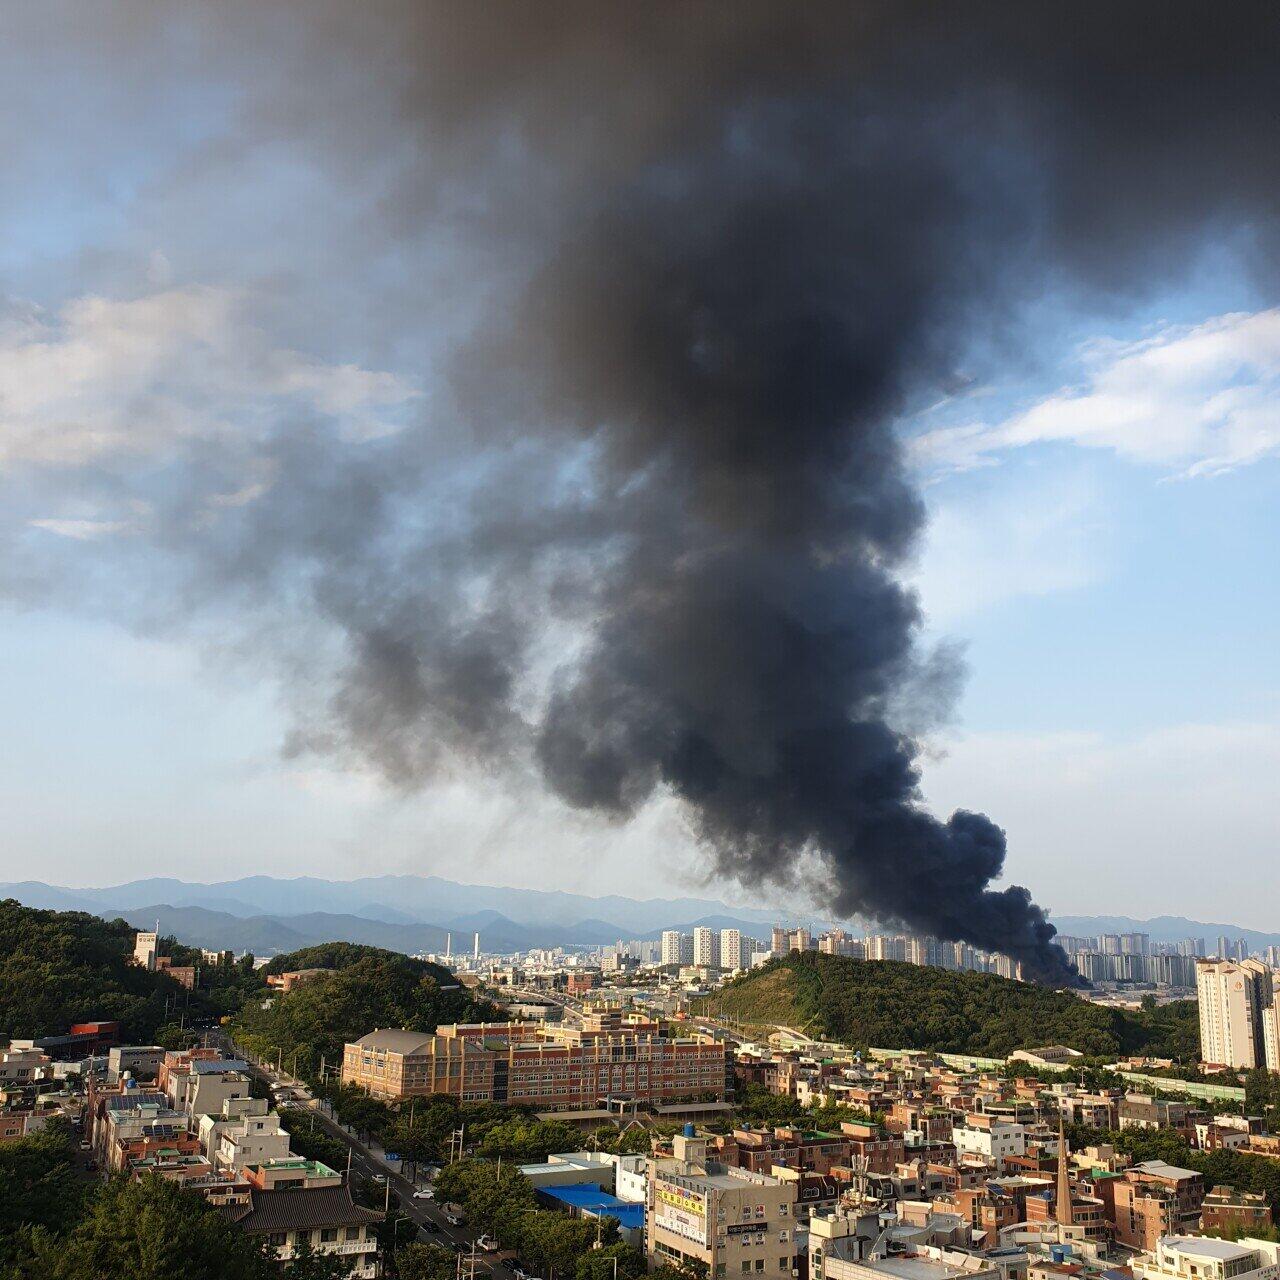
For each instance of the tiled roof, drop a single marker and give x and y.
(300, 1209)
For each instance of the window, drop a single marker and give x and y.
(328, 1235)
(353, 1233)
(278, 1239)
(746, 1266)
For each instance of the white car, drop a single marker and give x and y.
(453, 1220)
(424, 1194)
(379, 1178)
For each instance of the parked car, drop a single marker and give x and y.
(453, 1219)
(424, 1193)
(431, 1227)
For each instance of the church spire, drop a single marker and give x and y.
(1063, 1210)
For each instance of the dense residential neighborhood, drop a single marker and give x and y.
(664, 1112)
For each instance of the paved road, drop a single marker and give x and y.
(365, 1163)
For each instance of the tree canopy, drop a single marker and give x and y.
(888, 1004)
(367, 988)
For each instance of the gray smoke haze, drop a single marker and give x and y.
(723, 249)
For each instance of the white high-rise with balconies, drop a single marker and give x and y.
(1238, 1014)
(677, 947)
(733, 955)
(706, 948)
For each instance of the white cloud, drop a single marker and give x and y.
(81, 530)
(989, 543)
(1201, 399)
(106, 376)
(1174, 819)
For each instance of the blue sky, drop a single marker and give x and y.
(173, 282)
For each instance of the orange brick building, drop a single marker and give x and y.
(553, 1068)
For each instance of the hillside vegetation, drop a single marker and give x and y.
(60, 967)
(368, 988)
(887, 1004)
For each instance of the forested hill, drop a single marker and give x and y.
(367, 988)
(60, 967)
(887, 1004)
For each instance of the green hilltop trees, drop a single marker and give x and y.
(891, 1005)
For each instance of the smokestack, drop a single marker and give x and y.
(476, 952)
(448, 946)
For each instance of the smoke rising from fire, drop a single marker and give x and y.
(725, 249)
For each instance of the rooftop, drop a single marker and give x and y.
(1205, 1247)
(1162, 1169)
(590, 1199)
(395, 1041)
(301, 1209)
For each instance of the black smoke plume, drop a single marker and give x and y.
(730, 246)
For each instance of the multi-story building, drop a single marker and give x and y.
(734, 949)
(732, 1221)
(677, 947)
(1151, 1200)
(990, 1137)
(1243, 1212)
(1142, 1111)
(1238, 1014)
(706, 948)
(609, 1057)
(1200, 1258)
(144, 949)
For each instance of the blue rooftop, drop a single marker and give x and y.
(590, 1199)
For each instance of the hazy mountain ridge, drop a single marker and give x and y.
(1162, 929)
(199, 916)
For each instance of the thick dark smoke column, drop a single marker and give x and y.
(734, 333)
(778, 229)
(732, 244)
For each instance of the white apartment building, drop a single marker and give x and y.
(734, 949)
(1238, 1014)
(677, 947)
(995, 1140)
(706, 948)
(251, 1141)
(1202, 1258)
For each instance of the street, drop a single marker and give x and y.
(364, 1163)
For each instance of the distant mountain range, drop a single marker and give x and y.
(1163, 929)
(265, 915)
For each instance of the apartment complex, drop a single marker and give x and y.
(1239, 1024)
(733, 1221)
(706, 948)
(563, 1068)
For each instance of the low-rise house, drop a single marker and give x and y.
(1201, 1258)
(326, 1218)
